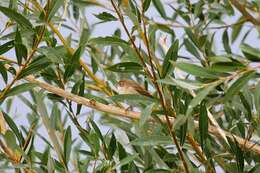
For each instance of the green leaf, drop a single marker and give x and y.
(132, 97)
(37, 65)
(200, 96)
(159, 7)
(54, 7)
(19, 18)
(95, 127)
(84, 37)
(220, 58)
(6, 47)
(196, 70)
(14, 128)
(146, 113)
(146, 4)
(236, 29)
(73, 65)
(186, 84)
(126, 67)
(20, 89)
(11, 140)
(54, 54)
(238, 84)
(106, 17)
(96, 98)
(250, 53)
(67, 144)
(257, 97)
(226, 44)
(203, 125)
(3, 72)
(110, 40)
(126, 160)
(191, 48)
(152, 140)
(112, 146)
(172, 54)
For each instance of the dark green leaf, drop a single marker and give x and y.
(106, 17)
(54, 7)
(126, 67)
(238, 84)
(197, 70)
(19, 18)
(203, 125)
(159, 7)
(108, 41)
(20, 89)
(191, 48)
(126, 160)
(37, 65)
(73, 65)
(250, 53)
(67, 144)
(6, 47)
(132, 97)
(112, 146)
(226, 44)
(172, 55)
(14, 128)
(146, 5)
(3, 72)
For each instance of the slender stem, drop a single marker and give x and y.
(244, 12)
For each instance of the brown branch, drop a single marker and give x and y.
(244, 12)
(116, 111)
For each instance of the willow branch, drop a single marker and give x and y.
(242, 9)
(119, 112)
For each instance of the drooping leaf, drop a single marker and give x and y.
(73, 65)
(172, 55)
(250, 53)
(108, 41)
(54, 7)
(203, 125)
(67, 144)
(3, 72)
(159, 7)
(19, 18)
(197, 70)
(146, 114)
(146, 4)
(238, 84)
(20, 89)
(226, 44)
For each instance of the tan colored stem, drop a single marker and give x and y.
(116, 111)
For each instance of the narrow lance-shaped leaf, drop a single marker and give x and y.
(197, 70)
(3, 72)
(203, 125)
(126, 67)
(146, 4)
(67, 144)
(146, 113)
(172, 55)
(159, 7)
(238, 84)
(200, 96)
(19, 18)
(54, 7)
(226, 43)
(106, 17)
(6, 47)
(251, 53)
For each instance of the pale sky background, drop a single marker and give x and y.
(19, 110)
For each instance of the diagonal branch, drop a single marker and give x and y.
(242, 9)
(116, 111)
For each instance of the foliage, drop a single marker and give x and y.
(202, 71)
